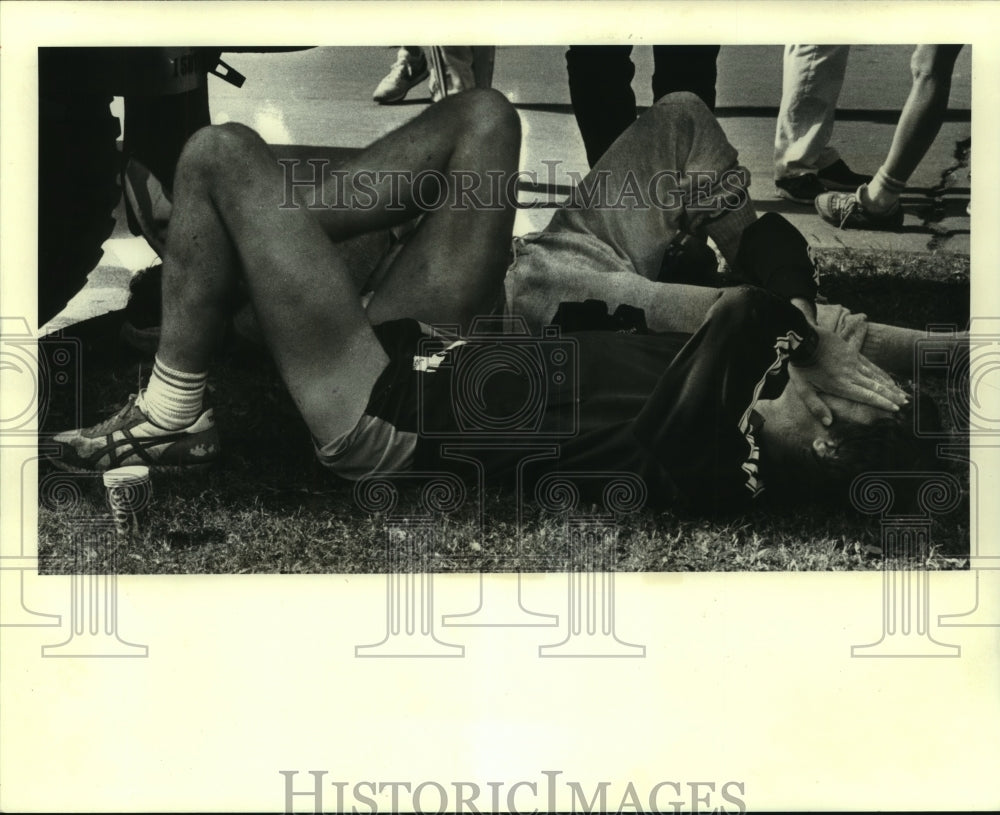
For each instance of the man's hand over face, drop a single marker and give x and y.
(840, 370)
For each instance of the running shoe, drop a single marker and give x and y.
(845, 211)
(401, 77)
(802, 189)
(129, 437)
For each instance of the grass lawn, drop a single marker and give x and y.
(269, 507)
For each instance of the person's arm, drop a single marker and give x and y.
(536, 294)
(774, 255)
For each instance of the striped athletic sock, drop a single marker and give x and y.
(173, 399)
(882, 192)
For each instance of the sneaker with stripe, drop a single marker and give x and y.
(129, 437)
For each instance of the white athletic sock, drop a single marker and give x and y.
(882, 192)
(173, 399)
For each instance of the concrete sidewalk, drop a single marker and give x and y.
(322, 96)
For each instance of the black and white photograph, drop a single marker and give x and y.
(602, 419)
(499, 308)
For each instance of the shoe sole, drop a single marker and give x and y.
(160, 469)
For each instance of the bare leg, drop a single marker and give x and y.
(921, 119)
(452, 266)
(228, 207)
(919, 123)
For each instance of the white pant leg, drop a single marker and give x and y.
(812, 76)
(463, 67)
(410, 54)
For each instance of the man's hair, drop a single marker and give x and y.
(890, 444)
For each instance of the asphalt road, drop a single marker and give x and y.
(323, 96)
(877, 79)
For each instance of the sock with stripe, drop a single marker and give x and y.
(881, 193)
(173, 399)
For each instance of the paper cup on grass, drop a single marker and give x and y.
(130, 493)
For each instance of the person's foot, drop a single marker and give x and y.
(401, 77)
(845, 211)
(838, 176)
(802, 189)
(129, 437)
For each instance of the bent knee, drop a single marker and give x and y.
(683, 103)
(686, 116)
(488, 112)
(221, 145)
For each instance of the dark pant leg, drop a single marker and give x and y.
(600, 88)
(685, 68)
(158, 127)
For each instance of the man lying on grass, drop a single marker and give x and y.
(698, 416)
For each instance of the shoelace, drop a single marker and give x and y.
(107, 424)
(408, 69)
(852, 204)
